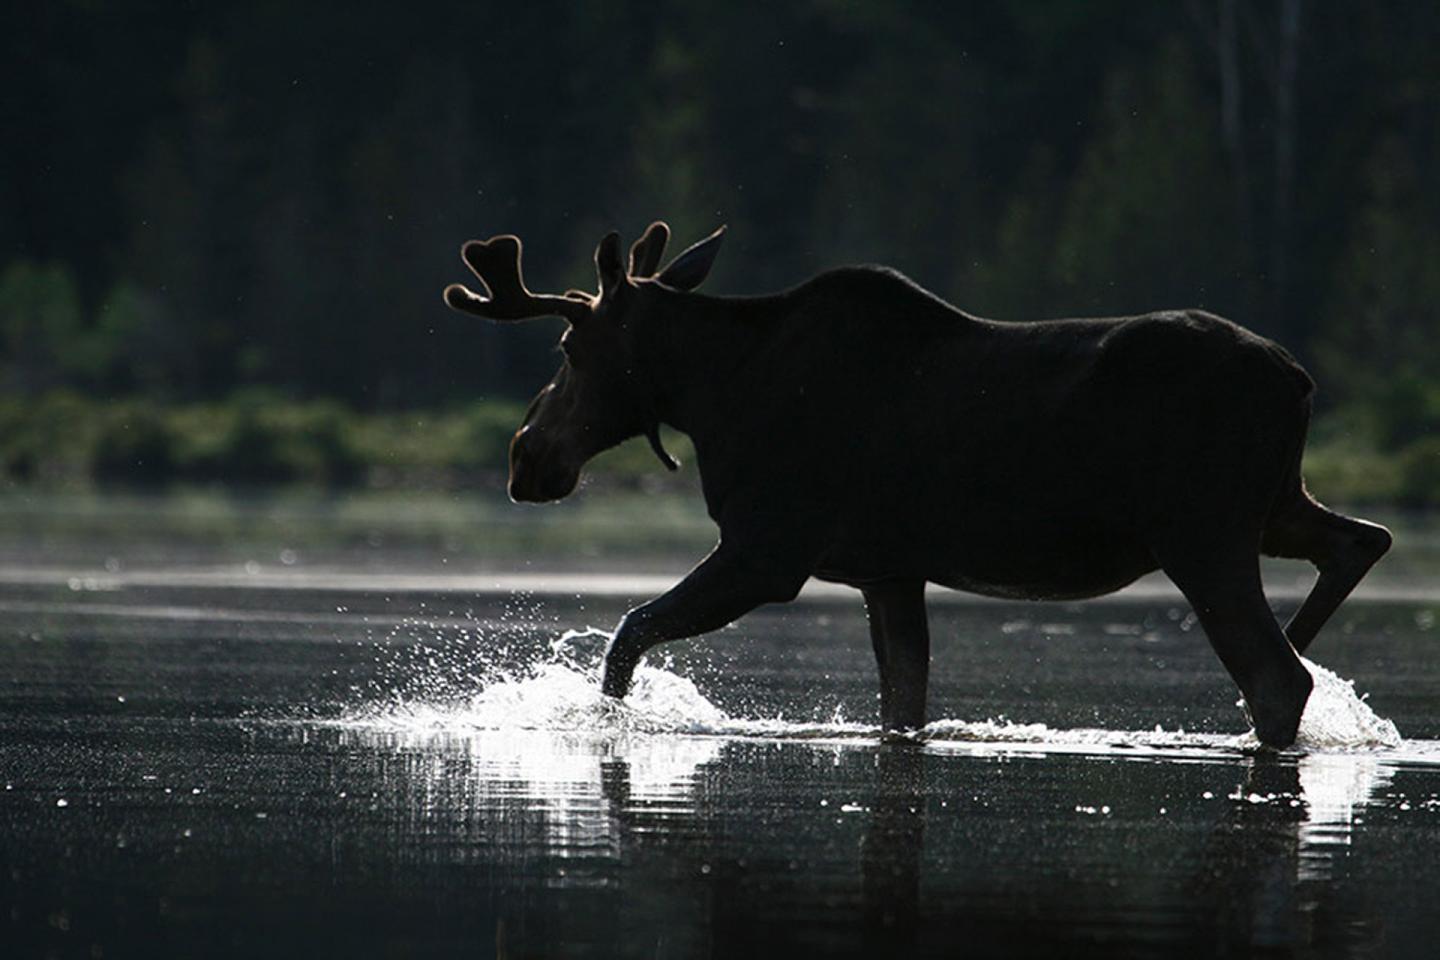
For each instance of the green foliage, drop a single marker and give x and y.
(1380, 347)
(131, 346)
(1145, 224)
(41, 327)
(49, 340)
(1419, 468)
(242, 212)
(48, 440)
(134, 443)
(1350, 473)
(1350, 468)
(259, 438)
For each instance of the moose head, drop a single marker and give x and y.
(603, 393)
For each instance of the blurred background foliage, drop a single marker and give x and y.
(224, 228)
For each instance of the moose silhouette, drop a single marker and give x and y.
(859, 429)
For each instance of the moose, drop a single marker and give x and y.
(861, 430)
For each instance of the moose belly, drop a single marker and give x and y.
(1057, 563)
(1065, 585)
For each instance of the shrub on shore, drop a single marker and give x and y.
(257, 439)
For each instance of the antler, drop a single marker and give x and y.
(646, 253)
(497, 263)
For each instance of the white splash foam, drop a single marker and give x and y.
(1336, 718)
(562, 696)
(990, 735)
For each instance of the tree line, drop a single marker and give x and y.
(203, 199)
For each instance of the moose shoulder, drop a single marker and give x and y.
(861, 430)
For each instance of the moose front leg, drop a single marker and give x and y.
(725, 586)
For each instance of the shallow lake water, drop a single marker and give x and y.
(371, 726)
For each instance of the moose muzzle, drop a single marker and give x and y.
(536, 474)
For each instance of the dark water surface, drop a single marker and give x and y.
(330, 728)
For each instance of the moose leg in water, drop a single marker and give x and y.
(901, 636)
(1226, 593)
(725, 586)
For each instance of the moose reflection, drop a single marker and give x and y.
(1265, 867)
(859, 429)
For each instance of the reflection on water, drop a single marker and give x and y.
(1334, 788)
(565, 787)
(539, 764)
(1283, 851)
(574, 779)
(361, 763)
(585, 803)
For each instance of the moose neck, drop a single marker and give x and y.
(693, 347)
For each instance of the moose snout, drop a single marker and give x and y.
(536, 474)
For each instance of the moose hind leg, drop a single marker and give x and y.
(901, 636)
(1227, 597)
(1342, 549)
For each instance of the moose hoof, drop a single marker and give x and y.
(617, 678)
(899, 735)
(1277, 716)
(903, 728)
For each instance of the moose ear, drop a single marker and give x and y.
(607, 264)
(645, 255)
(689, 270)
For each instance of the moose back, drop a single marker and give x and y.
(858, 429)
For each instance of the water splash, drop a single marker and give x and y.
(1001, 734)
(1337, 719)
(561, 695)
(544, 731)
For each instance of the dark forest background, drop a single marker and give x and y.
(207, 208)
